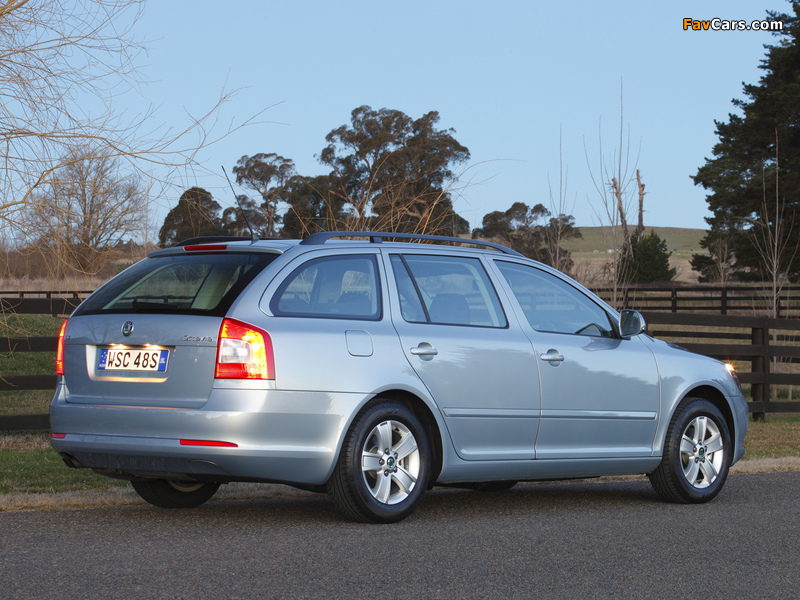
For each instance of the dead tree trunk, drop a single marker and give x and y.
(626, 237)
(640, 228)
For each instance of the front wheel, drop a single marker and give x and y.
(384, 465)
(696, 455)
(165, 493)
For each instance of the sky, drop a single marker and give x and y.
(539, 92)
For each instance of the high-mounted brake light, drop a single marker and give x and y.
(244, 352)
(60, 350)
(205, 247)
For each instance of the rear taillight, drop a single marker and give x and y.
(244, 352)
(60, 351)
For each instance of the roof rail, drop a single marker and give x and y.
(376, 237)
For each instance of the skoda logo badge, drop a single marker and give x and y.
(127, 328)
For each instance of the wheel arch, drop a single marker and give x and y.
(717, 398)
(423, 412)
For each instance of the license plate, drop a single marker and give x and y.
(132, 359)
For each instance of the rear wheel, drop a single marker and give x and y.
(384, 465)
(166, 493)
(696, 455)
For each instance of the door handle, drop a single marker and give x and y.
(424, 351)
(552, 357)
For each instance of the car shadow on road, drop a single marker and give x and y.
(439, 503)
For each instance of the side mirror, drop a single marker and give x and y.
(631, 323)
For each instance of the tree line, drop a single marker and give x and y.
(387, 172)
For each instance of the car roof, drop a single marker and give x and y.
(333, 238)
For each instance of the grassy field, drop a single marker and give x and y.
(590, 253)
(598, 239)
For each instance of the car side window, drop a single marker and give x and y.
(336, 287)
(553, 305)
(446, 290)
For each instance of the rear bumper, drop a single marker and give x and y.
(290, 437)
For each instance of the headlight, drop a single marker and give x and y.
(732, 373)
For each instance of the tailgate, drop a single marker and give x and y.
(165, 360)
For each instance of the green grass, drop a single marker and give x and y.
(779, 436)
(33, 402)
(27, 363)
(679, 240)
(14, 325)
(29, 465)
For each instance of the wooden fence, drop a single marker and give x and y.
(42, 303)
(768, 347)
(723, 300)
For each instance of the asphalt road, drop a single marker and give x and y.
(564, 540)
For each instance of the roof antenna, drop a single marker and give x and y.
(253, 235)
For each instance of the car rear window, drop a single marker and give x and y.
(192, 284)
(332, 287)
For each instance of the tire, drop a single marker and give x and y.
(384, 465)
(165, 493)
(697, 455)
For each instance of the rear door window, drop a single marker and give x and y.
(334, 287)
(186, 284)
(446, 290)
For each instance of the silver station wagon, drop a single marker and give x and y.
(373, 370)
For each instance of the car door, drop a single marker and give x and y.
(477, 364)
(327, 323)
(600, 392)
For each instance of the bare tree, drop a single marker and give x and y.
(85, 209)
(63, 68)
(640, 226)
(722, 255)
(771, 236)
(613, 182)
(562, 226)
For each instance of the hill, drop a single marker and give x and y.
(679, 240)
(590, 253)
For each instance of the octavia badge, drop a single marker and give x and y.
(127, 328)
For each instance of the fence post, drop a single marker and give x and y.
(724, 300)
(767, 392)
(674, 300)
(760, 364)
